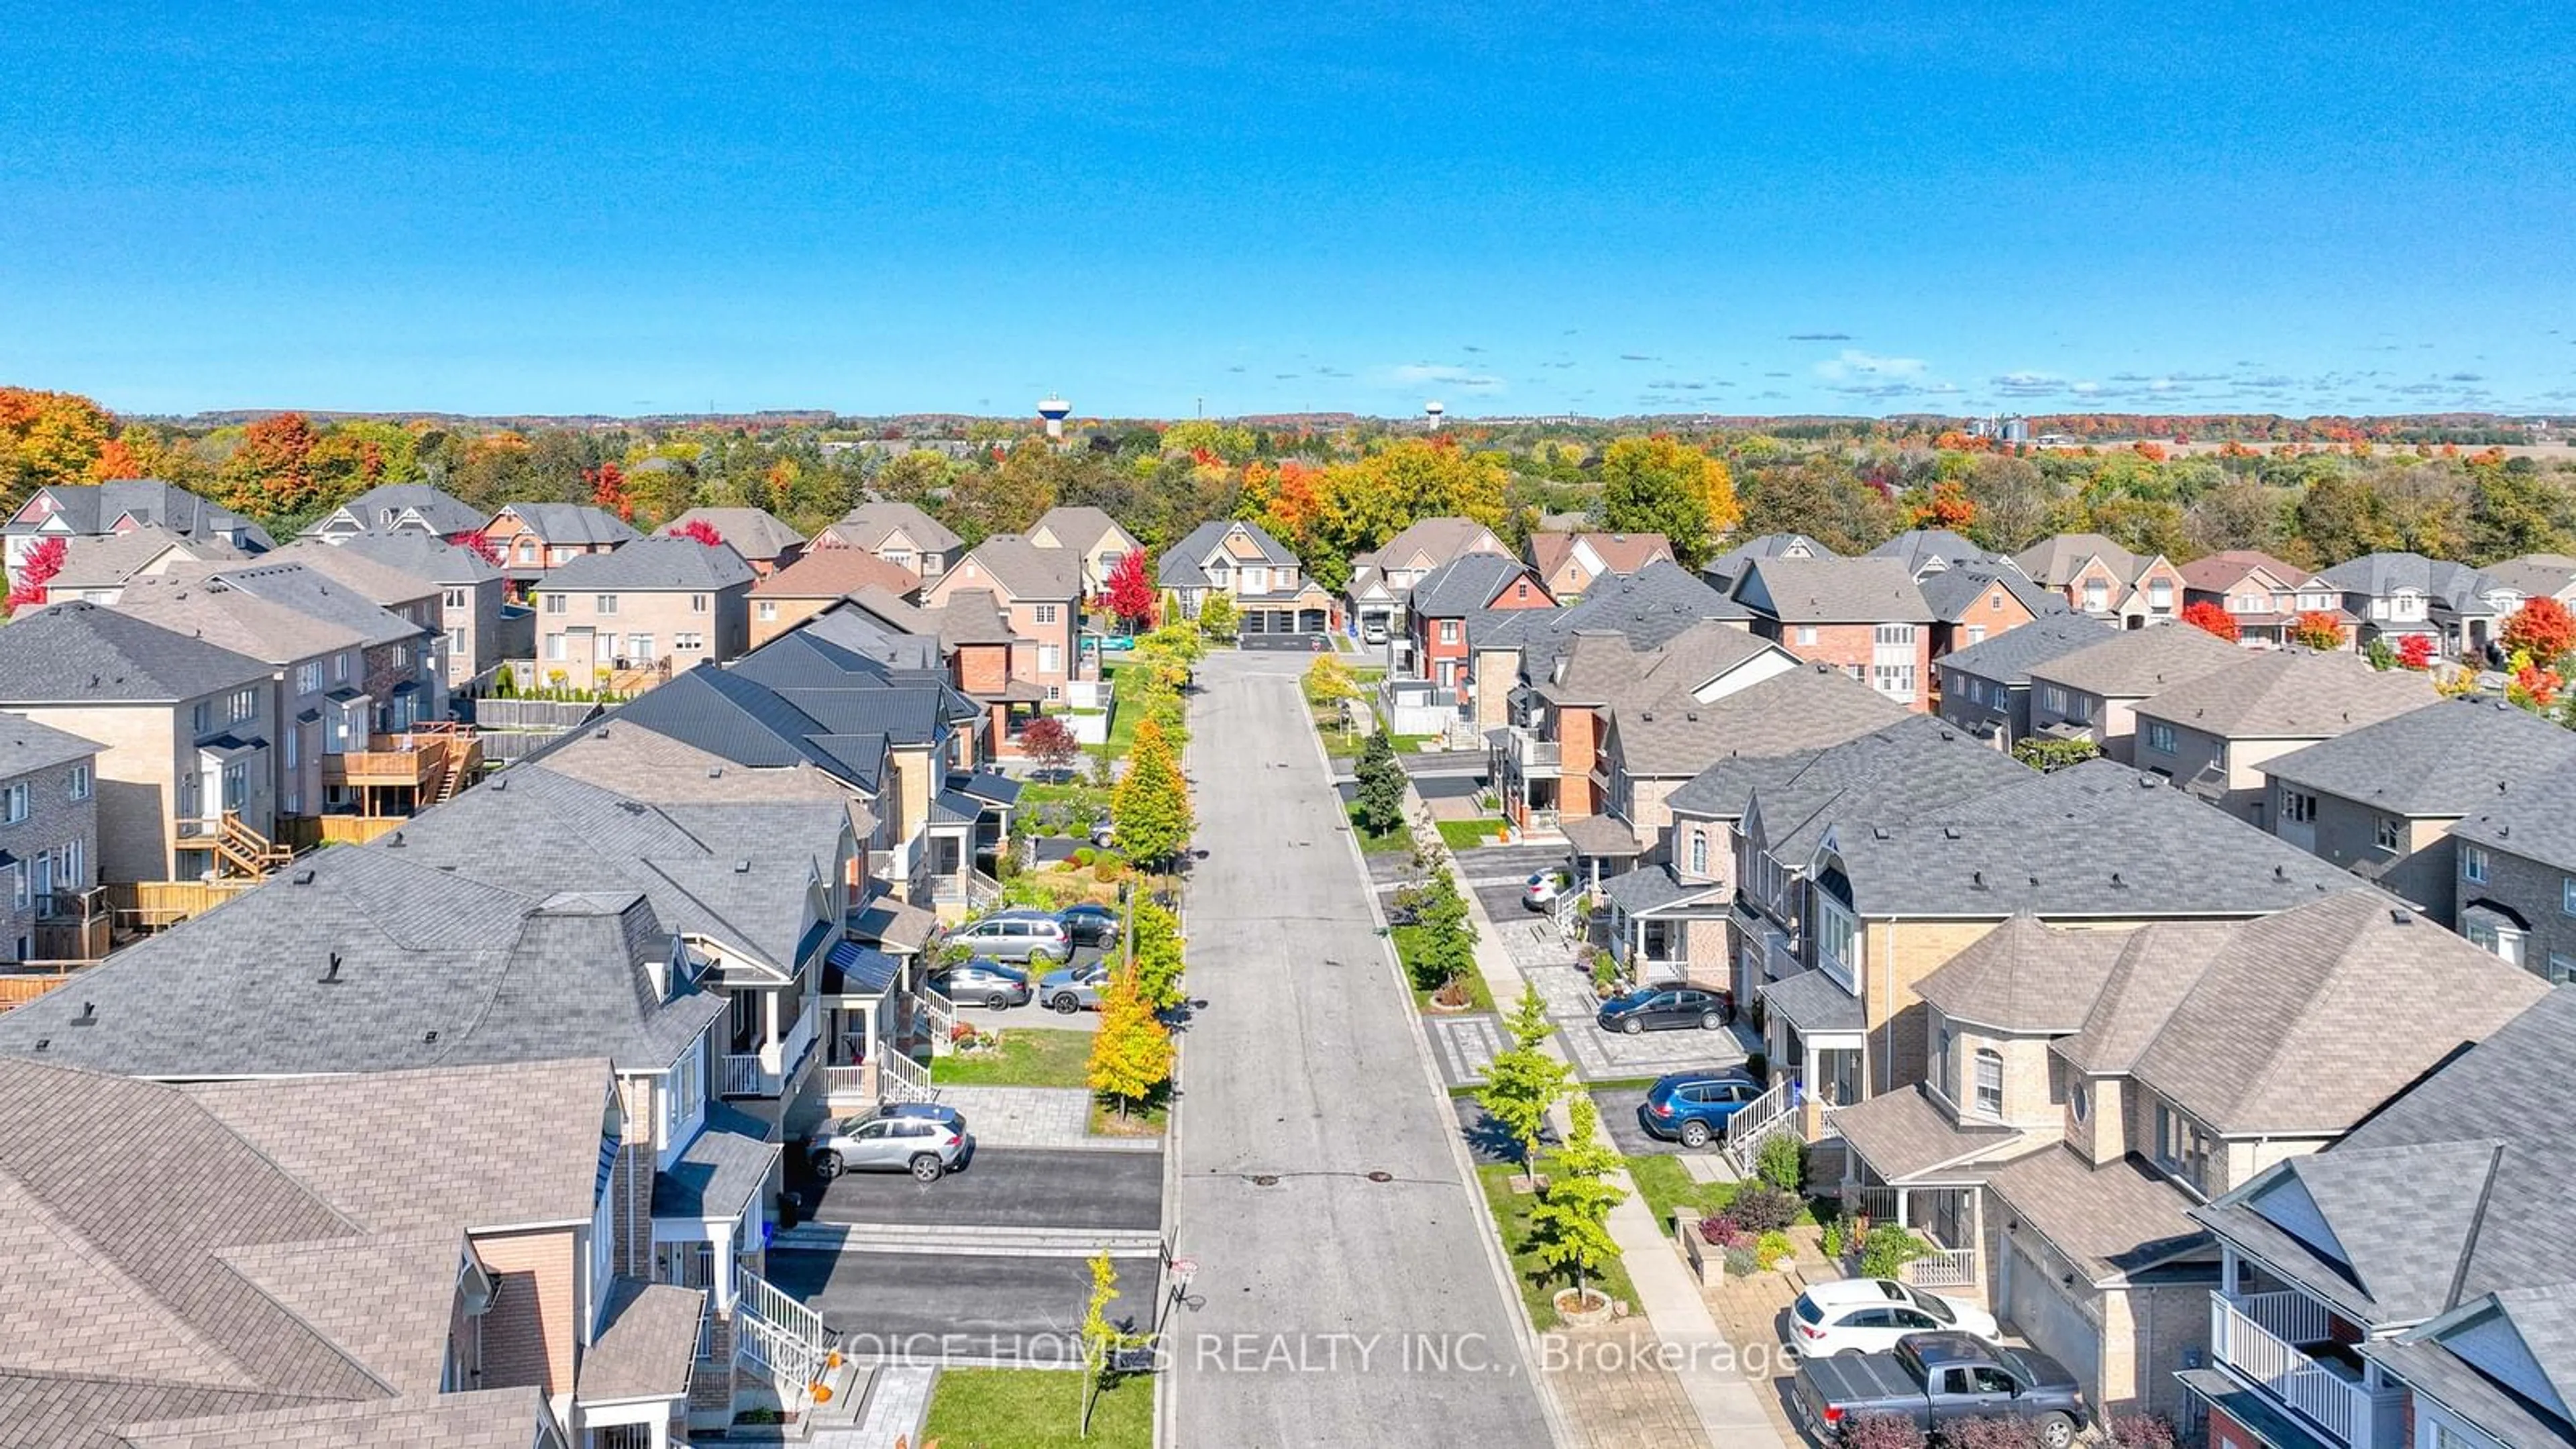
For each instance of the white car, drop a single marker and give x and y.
(1540, 891)
(1868, 1315)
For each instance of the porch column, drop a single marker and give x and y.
(1904, 1198)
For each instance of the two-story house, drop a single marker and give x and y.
(299, 1294)
(1258, 574)
(2265, 596)
(480, 629)
(898, 533)
(1383, 577)
(822, 578)
(2212, 736)
(401, 673)
(1570, 563)
(1985, 688)
(1442, 604)
(98, 568)
(76, 511)
(2536, 576)
(1927, 551)
(2380, 800)
(1090, 535)
(1039, 590)
(2410, 1287)
(2514, 882)
(1516, 649)
(654, 608)
(534, 537)
(1973, 602)
(186, 787)
(1723, 571)
(2093, 693)
(2395, 595)
(49, 836)
(1864, 616)
(399, 508)
(2101, 578)
(968, 637)
(760, 537)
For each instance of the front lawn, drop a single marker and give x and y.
(1407, 941)
(1036, 1409)
(1538, 1285)
(1150, 1118)
(1123, 716)
(1469, 834)
(1029, 1056)
(1383, 842)
(1410, 744)
(1665, 1185)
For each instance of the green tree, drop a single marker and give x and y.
(2340, 517)
(1131, 1054)
(1217, 617)
(1102, 1339)
(1660, 485)
(1328, 682)
(2515, 511)
(1381, 785)
(1158, 959)
(1444, 940)
(1570, 1226)
(1524, 1080)
(1151, 809)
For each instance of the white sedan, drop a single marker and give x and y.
(1868, 1315)
(1540, 891)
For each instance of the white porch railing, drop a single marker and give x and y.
(2288, 1314)
(779, 1337)
(848, 1084)
(739, 1075)
(2343, 1407)
(938, 1013)
(904, 1079)
(1778, 961)
(1943, 1268)
(800, 1040)
(982, 891)
(1766, 1116)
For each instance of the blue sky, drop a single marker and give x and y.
(1729, 207)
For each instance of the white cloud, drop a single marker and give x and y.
(1852, 362)
(1455, 377)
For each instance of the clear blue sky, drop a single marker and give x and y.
(1730, 206)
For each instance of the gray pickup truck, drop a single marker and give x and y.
(1933, 1380)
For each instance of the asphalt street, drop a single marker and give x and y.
(1302, 1082)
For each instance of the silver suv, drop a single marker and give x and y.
(1016, 936)
(928, 1147)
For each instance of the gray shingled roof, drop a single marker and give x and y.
(2424, 1362)
(751, 532)
(2008, 658)
(1918, 548)
(1653, 888)
(644, 1350)
(1833, 591)
(1791, 710)
(2026, 977)
(2441, 761)
(721, 1170)
(2117, 1218)
(570, 523)
(26, 746)
(2292, 693)
(1917, 764)
(472, 1419)
(660, 563)
(1646, 608)
(1729, 566)
(445, 514)
(1077, 527)
(1182, 565)
(236, 619)
(1464, 585)
(2454, 586)
(2136, 663)
(83, 653)
(416, 556)
(2534, 819)
(283, 578)
(1904, 1136)
(870, 524)
(94, 508)
(2534, 575)
(2053, 560)
(1814, 1002)
(105, 561)
(1950, 593)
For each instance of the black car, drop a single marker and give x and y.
(1936, 1380)
(984, 983)
(1089, 924)
(1659, 1007)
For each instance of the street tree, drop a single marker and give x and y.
(1103, 1340)
(1151, 808)
(1131, 1054)
(1444, 940)
(2542, 628)
(1381, 785)
(1524, 1080)
(1157, 960)
(1049, 741)
(1570, 1226)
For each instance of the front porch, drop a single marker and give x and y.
(1663, 928)
(2302, 1357)
(1949, 1219)
(879, 1035)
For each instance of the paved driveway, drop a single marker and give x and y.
(967, 1305)
(1308, 1074)
(1010, 1187)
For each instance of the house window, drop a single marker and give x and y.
(80, 782)
(236, 787)
(2473, 864)
(2160, 737)
(2566, 893)
(527, 550)
(1990, 1081)
(1976, 633)
(293, 736)
(2054, 696)
(1806, 633)
(2297, 807)
(456, 641)
(555, 603)
(1894, 635)
(1837, 942)
(308, 678)
(697, 603)
(1699, 855)
(402, 656)
(340, 667)
(201, 716)
(2096, 594)
(1050, 658)
(2182, 1149)
(1896, 681)
(1995, 602)
(2160, 595)
(604, 604)
(1046, 613)
(1054, 693)
(243, 704)
(2562, 970)
(1448, 631)
(13, 803)
(21, 893)
(688, 643)
(555, 648)
(455, 599)
(768, 611)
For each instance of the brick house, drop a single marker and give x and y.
(76, 511)
(535, 537)
(49, 836)
(2093, 693)
(1039, 590)
(764, 542)
(1569, 563)
(1985, 688)
(1383, 578)
(1972, 603)
(898, 533)
(2264, 595)
(480, 628)
(2101, 578)
(824, 576)
(1092, 536)
(654, 608)
(2514, 885)
(1258, 574)
(1864, 616)
(1445, 599)
(2211, 736)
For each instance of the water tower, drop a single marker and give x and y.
(1055, 410)
(1433, 411)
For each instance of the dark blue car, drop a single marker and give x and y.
(1663, 1008)
(1694, 1107)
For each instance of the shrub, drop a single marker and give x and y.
(1721, 1230)
(2143, 1431)
(1758, 1064)
(1107, 869)
(1740, 1263)
(1879, 1431)
(1773, 1246)
(1782, 1162)
(1605, 970)
(1082, 857)
(1762, 1208)
(1887, 1249)
(1832, 1238)
(1992, 1433)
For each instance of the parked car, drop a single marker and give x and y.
(926, 1147)
(1073, 988)
(1016, 936)
(1373, 633)
(1870, 1315)
(1694, 1107)
(1103, 836)
(946, 1116)
(1660, 1007)
(983, 981)
(1540, 891)
(1933, 1380)
(1089, 924)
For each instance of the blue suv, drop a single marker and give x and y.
(1694, 1107)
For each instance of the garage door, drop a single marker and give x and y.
(1255, 621)
(2054, 1326)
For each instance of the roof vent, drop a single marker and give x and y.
(303, 877)
(43, 1042)
(2280, 872)
(2115, 880)
(2504, 832)
(1646, 715)
(2400, 916)
(715, 772)
(1880, 832)
(2034, 880)
(1947, 735)
(331, 973)
(1976, 880)
(394, 841)
(742, 867)
(499, 782)
(1692, 715)
(1949, 832)
(88, 1016)
(601, 733)
(429, 1037)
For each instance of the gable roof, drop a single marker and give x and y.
(660, 563)
(751, 532)
(2291, 693)
(2024, 976)
(869, 525)
(2535, 819)
(83, 653)
(282, 578)
(2136, 663)
(1435, 540)
(1915, 764)
(1780, 727)
(2218, 572)
(225, 614)
(1182, 566)
(2454, 586)
(1619, 553)
(2009, 657)
(1723, 570)
(1079, 528)
(1876, 590)
(2535, 575)
(95, 508)
(106, 560)
(1924, 550)
(443, 513)
(2465, 1361)
(360, 560)
(1645, 608)
(26, 746)
(1952, 592)
(1020, 568)
(830, 573)
(569, 523)
(1465, 585)
(2053, 560)
(2443, 760)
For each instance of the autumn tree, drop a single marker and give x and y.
(1660, 485)
(1217, 616)
(1570, 1226)
(1157, 961)
(1151, 809)
(608, 490)
(46, 438)
(1049, 741)
(270, 475)
(2543, 629)
(2317, 629)
(1945, 505)
(481, 545)
(2415, 652)
(2208, 616)
(1129, 592)
(1361, 505)
(698, 530)
(1007, 496)
(36, 571)
(1131, 1055)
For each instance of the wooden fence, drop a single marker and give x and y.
(532, 714)
(156, 905)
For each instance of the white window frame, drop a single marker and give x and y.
(603, 604)
(768, 610)
(1699, 852)
(1807, 635)
(557, 603)
(308, 677)
(2473, 864)
(81, 784)
(1838, 942)
(1046, 613)
(2160, 737)
(1448, 631)
(2388, 833)
(16, 803)
(1986, 1058)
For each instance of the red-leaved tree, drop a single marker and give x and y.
(2208, 616)
(1131, 592)
(1049, 741)
(701, 531)
(2317, 629)
(608, 490)
(2543, 629)
(2415, 651)
(41, 564)
(482, 545)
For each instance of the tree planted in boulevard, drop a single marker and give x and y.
(1131, 1054)
(1151, 809)
(1523, 1081)
(1570, 1226)
(1381, 785)
(1444, 942)
(1157, 961)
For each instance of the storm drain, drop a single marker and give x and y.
(1265, 1179)
(1381, 1176)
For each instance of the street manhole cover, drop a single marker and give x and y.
(1265, 1179)
(1381, 1176)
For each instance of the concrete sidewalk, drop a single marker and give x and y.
(1724, 1400)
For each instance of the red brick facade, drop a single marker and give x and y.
(1853, 648)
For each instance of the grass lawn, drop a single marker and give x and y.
(1665, 1186)
(1538, 1285)
(1029, 1056)
(1035, 1409)
(1406, 937)
(1468, 834)
(1122, 720)
(1369, 673)
(1386, 842)
(1150, 1120)
(1410, 744)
